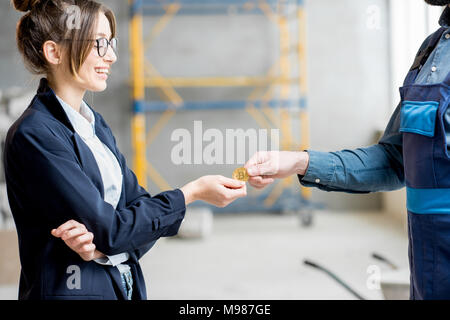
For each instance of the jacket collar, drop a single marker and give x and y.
(51, 104)
(83, 122)
(444, 21)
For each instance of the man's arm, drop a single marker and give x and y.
(363, 170)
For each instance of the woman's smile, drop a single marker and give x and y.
(102, 72)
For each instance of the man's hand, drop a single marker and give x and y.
(266, 166)
(79, 239)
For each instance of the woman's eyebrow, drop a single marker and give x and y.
(102, 34)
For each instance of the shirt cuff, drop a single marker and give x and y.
(321, 169)
(113, 260)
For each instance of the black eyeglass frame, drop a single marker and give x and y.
(108, 44)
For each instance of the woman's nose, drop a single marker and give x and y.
(110, 55)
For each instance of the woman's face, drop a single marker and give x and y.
(94, 71)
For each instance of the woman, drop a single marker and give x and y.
(67, 180)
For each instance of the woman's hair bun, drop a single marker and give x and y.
(24, 5)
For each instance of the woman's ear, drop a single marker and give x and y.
(52, 52)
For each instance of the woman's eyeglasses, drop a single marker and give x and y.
(103, 45)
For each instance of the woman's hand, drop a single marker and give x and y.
(216, 190)
(79, 239)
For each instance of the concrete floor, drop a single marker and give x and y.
(260, 256)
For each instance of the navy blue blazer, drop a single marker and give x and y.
(52, 177)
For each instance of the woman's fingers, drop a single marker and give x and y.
(229, 195)
(87, 252)
(78, 241)
(72, 233)
(87, 248)
(219, 190)
(231, 183)
(76, 237)
(65, 227)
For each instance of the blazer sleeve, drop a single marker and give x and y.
(53, 182)
(135, 193)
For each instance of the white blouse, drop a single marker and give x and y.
(84, 124)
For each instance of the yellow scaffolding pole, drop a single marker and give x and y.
(301, 48)
(216, 81)
(138, 92)
(265, 116)
(140, 161)
(303, 87)
(288, 142)
(137, 54)
(284, 47)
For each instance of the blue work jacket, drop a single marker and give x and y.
(52, 177)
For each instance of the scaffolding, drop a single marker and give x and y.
(277, 99)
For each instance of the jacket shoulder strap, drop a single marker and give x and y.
(422, 56)
(426, 49)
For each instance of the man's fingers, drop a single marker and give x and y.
(255, 159)
(260, 182)
(262, 169)
(266, 180)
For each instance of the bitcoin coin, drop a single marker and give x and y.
(240, 174)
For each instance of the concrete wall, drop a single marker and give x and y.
(349, 82)
(349, 93)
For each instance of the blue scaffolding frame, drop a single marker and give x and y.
(288, 200)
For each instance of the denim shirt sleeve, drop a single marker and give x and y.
(363, 170)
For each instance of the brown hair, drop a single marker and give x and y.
(49, 20)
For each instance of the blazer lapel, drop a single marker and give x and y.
(117, 281)
(88, 162)
(105, 137)
(50, 104)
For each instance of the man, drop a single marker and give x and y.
(412, 152)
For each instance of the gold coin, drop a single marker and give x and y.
(240, 174)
